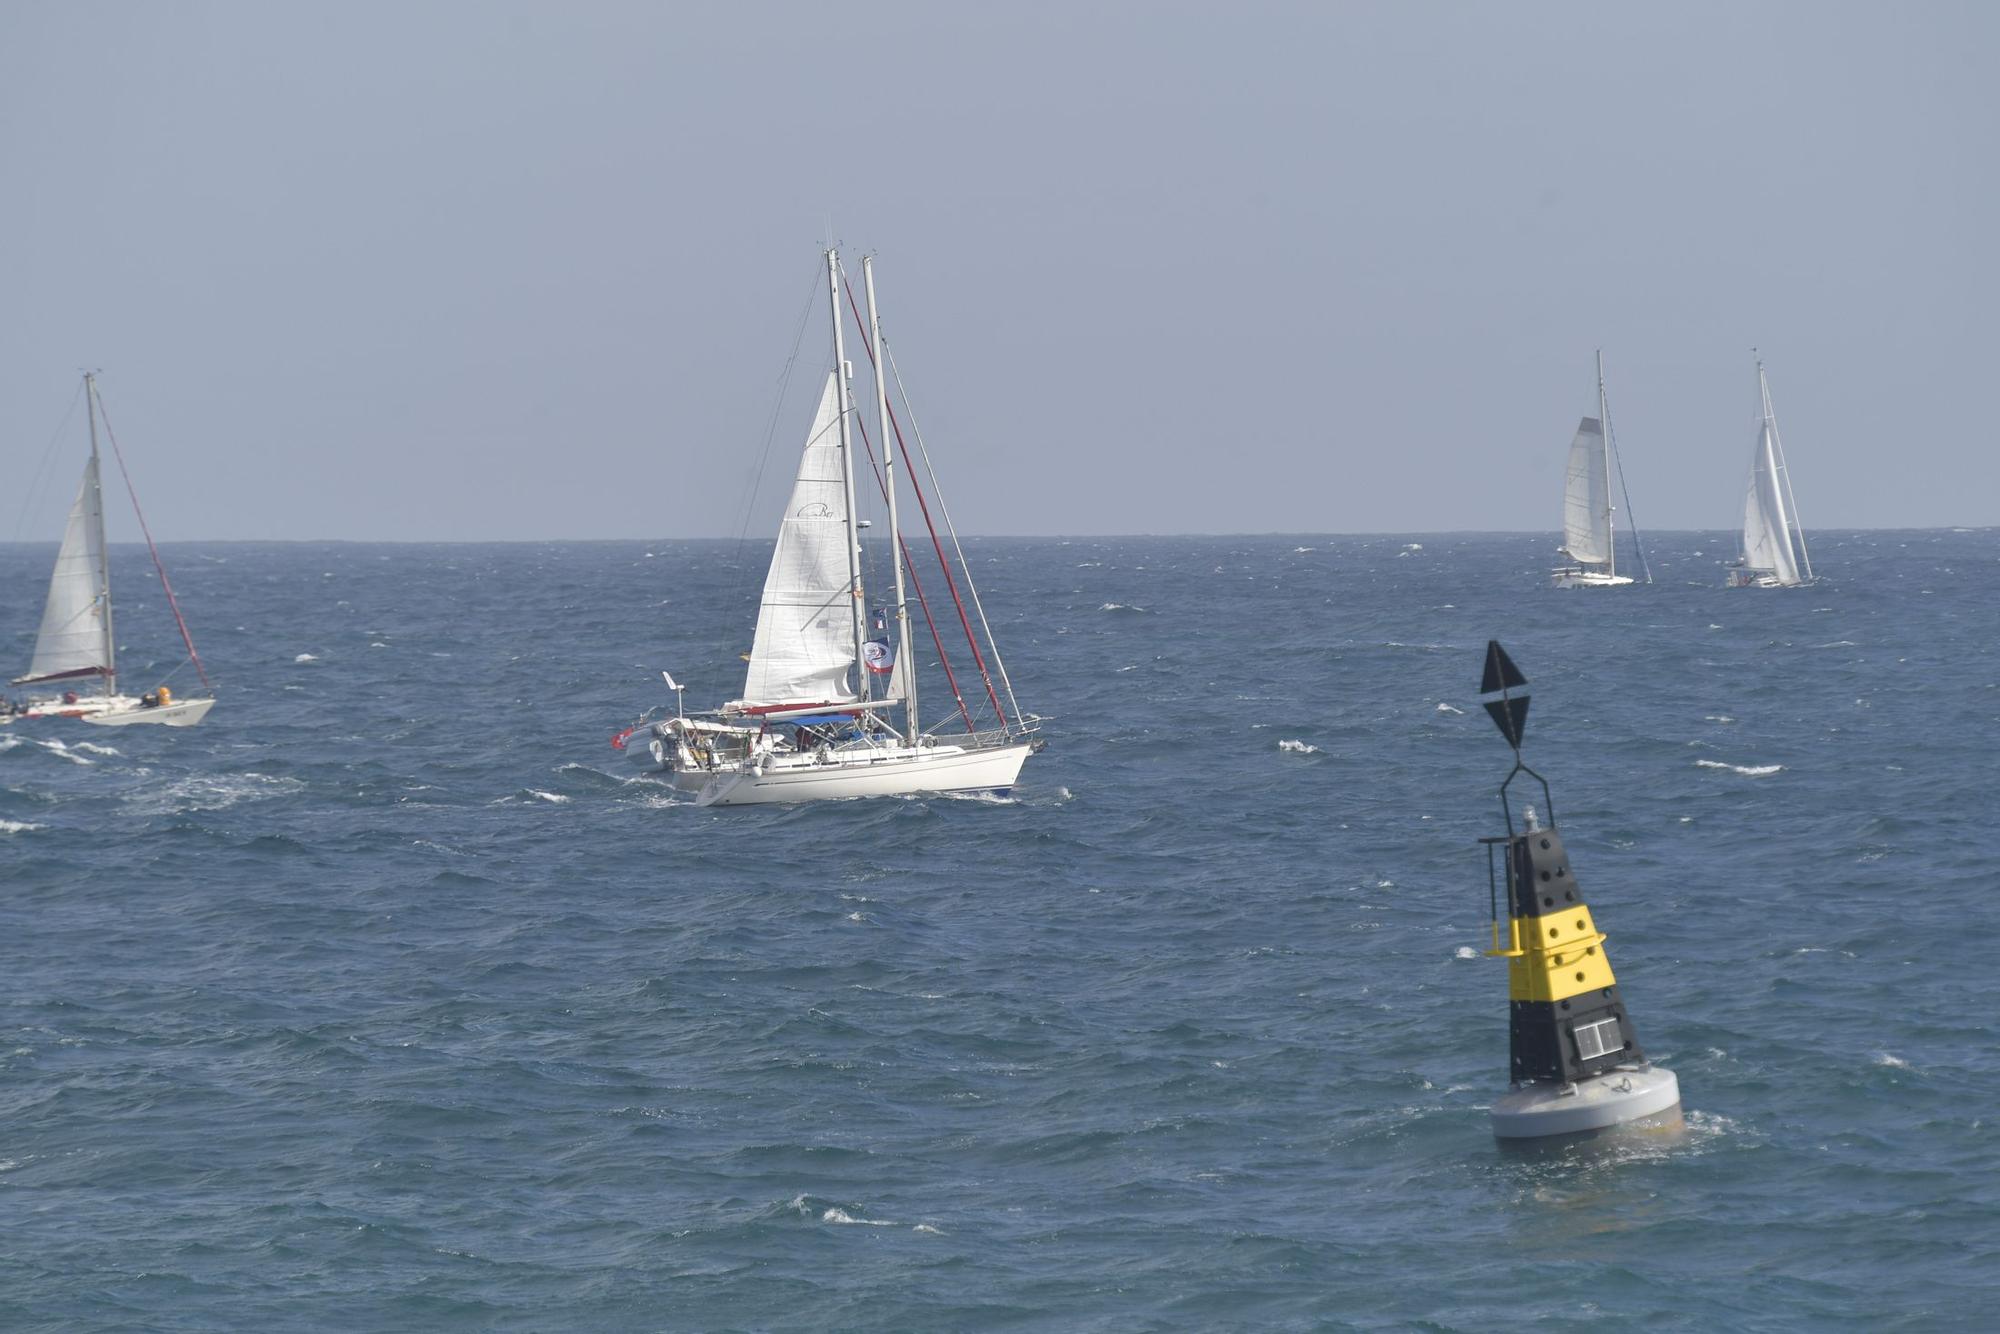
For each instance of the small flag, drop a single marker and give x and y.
(618, 739)
(880, 658)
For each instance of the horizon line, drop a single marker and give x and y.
(1005, 537)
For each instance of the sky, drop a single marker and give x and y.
(481, 271)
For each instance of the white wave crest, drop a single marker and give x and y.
(836, 1214)
(1747, 770)
(307, 657)
(1298, 748)
(1893, 1062)
(19, 827)
(1119, 606)
(1465, 952)
(1446, 708)
(55, 747)
(555, 798)
(92, 748)
(213, 793)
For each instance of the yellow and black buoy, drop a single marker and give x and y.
(1576, 1066)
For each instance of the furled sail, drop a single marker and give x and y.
(1587, 497)
(75, 638)
(804, 646)
(1767, 538)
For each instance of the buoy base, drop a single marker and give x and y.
(1644, 1097)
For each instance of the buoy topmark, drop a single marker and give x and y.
(1575, 1062)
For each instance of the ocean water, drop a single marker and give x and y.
(391, 997)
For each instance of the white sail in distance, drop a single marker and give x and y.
(75, 636)
(1767, 535)
(1587, 497)
(804, 649)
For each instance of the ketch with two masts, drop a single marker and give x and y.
(1589, 528)
(828, 708)
(75, 642)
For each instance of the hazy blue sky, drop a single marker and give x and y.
(481, 270)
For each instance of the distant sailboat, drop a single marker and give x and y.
(1774, 545)
(818, 717)
(76, 640)
(1589, 534)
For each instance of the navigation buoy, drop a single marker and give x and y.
(1576, 1066)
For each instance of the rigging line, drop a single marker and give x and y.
(771, 432)
(1631, 519)
(33, 488)
(979, 606)
(951, 584)
(917, 587)
(166, 584)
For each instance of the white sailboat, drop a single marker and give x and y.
(76, 641)
(826, 711)
(1589, 530)
(1774, 545)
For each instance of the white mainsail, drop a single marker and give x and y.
(1767, 535)
(804, 647)
(1587, 497)
(75, 638)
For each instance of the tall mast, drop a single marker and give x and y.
(908, 670)
(1604, 421)
(847, 471)
(96, 528)
(1791, 501)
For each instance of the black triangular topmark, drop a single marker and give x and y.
(1510, 715)
(1501, 673)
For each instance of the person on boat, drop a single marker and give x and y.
(149, 701)
(69, 697)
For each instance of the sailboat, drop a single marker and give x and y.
(1589, 536)
(76, 641)
(827, 711)
(1774, 545)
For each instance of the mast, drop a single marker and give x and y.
(1791, 501)
(1604, 420)
(847, 472)
(97, 528)
(908, 672)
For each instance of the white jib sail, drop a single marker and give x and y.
(73, 639)
(1767, 538)
(1587, 497)
(804, 647)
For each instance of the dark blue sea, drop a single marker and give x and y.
(392, 997)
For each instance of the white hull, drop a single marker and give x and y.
(122, 710)
(181, 713)
(860, 774)
(1589, 579)
(1762, 579)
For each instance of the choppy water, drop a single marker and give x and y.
(390, 998)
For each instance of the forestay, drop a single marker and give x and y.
(1767, 539)
(1587, 497)
(75, 635)
(804, 647)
